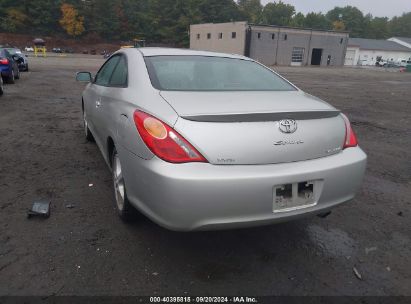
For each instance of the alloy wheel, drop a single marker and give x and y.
(118, 179)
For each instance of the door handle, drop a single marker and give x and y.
(98, 103)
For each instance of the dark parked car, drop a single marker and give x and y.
(68, 50)
(8, 66)
(57, 50)
(1, 86)
(22, 60)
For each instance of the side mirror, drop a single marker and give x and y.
(83, 77)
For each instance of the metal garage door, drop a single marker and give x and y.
(349, 58)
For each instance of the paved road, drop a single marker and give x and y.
(87, 250)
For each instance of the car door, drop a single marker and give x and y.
(113, 100)
(98, 91)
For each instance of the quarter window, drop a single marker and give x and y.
(119, 77)
(103, 76)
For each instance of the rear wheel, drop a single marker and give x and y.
(11, 79)
(125, 210)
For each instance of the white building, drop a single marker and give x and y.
(402, 40)
(366, 51)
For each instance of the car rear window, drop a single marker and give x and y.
(201, 73)
(14, 51)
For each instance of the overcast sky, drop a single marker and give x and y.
(377, 8)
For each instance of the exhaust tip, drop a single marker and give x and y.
(324, 215)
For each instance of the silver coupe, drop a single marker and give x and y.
(200, 140)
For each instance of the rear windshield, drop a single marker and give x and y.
(14, 51)
(200, 73)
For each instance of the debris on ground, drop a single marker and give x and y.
(371, 249)
(90, 185)
(39, 208)
(357, 273)
(400, 213)
(70, 206)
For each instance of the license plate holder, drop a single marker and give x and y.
(294, 196)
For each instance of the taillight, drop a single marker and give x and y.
(4, 61)
(350, 138)
(164, 141)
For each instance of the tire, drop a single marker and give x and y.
(87, 132)
(11, 79)
(18, 74)
(27, 68)
(1, 86)
(124, 209)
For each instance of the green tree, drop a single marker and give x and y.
(352, 18)
(278, 13)
(317, 21)
(251, 9)
(42, 16)
(376, 28)
(14, 20)
(298, 20)
(400, 26)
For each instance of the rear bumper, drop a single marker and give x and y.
(5, 71)
(200, 196)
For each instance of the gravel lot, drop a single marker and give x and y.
(87, 250)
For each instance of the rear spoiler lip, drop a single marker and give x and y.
(256, 117)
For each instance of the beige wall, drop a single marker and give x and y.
(270, 47)
(225, 45)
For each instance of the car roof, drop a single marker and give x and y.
(157, 51)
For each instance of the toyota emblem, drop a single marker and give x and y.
(288, 126)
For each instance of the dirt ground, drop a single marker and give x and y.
(87, 250)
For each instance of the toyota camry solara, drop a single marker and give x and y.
(200, 140)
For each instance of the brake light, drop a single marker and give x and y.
(4, 61)
(350, 138)
(164, 141)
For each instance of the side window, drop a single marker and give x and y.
(103, 76)
(119, 77)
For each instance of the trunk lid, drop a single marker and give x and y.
(250, 128)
